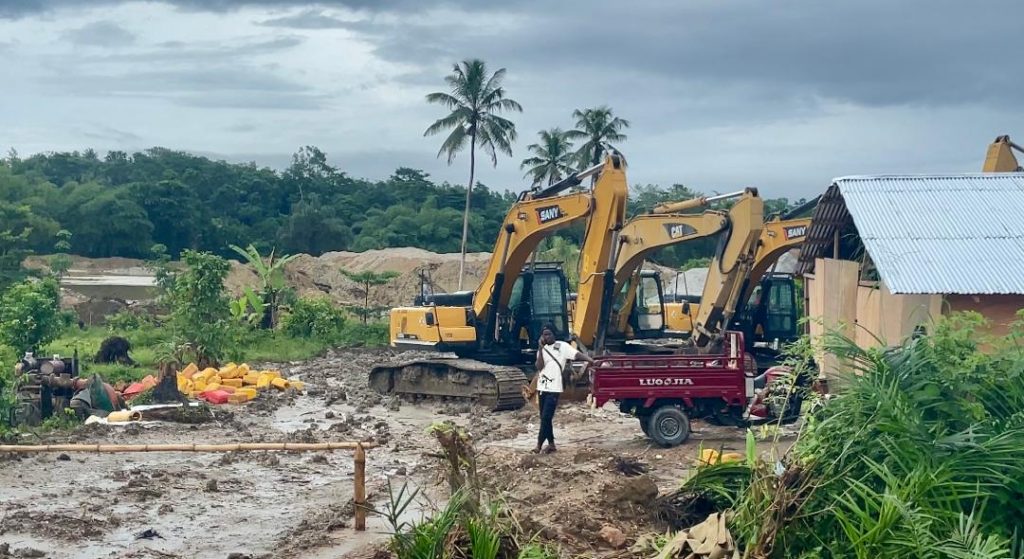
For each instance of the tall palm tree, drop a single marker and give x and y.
(597, 126)
(552, 157)
(475, 99)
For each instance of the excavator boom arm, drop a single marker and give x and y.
(598, 253)
(729, 268)
(526, 225)
(778, 237)
(647, 233)
(1000, 158)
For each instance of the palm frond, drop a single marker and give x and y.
(446, 99)
(494, 82)
(454, 120)
(454, 143)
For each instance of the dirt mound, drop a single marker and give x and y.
(308, 275)
(322, 275)
(84, 265)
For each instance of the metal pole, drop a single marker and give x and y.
(700, 202)
(568, 182)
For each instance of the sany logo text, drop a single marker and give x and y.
(794, 232)
(548, 213)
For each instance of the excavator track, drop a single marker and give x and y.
(497, 387)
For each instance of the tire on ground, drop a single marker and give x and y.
(668, 426)
(645, 423)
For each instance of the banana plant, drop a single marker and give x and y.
(271, 273)
(249, 308)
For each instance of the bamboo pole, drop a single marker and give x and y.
(231, 447)
(360, 488)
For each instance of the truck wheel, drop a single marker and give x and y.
(668, 426)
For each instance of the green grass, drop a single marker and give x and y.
(150, 342)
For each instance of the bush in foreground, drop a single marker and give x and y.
(919, 456)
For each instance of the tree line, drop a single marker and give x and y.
(123, 204)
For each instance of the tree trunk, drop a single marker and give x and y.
(269, 318)
(465, 213)
(366, 302)
(596, 160)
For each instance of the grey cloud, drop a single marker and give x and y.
(205, 52)
(21, 8)
(254, 100)
(309, 19)
(106, 133)
(217, 87)
(101, 34)
(872, 52)
(241, 128)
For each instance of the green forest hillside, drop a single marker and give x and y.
(123, 204)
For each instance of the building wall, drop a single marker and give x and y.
(872, 315)
(999, 310)
(831, 294)
(887, 319)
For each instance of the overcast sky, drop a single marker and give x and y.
(779, 94)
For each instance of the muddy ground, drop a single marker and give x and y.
(285, 505)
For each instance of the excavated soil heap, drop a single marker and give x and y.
(320, 275)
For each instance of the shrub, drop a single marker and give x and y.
(126, 321)
(8, 385)
(199, 304)
(374, 334)
(30, 315)
(314, 318)
(917, 456)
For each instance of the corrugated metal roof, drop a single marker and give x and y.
(941, 233)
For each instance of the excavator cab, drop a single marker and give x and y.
(539, 297)
(647, 318)
(769, 317)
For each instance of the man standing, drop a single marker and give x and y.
(552, 357)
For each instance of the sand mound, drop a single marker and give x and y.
(322, 275)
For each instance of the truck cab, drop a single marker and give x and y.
(664, 392)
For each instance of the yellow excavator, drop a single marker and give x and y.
(666, 225)
(1000, 159)
(764, 307)
(778, 236)
(493, 330)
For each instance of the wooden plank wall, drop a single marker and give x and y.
(887, 319)
(832, 306)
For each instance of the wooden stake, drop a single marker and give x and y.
(360, 488)
(116, 448)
